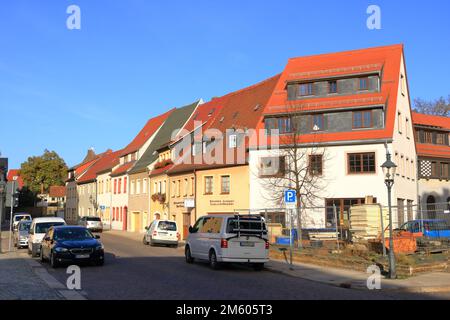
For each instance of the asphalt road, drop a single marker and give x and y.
(135, 271)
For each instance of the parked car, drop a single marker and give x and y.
(21, 234)
(71, 244)
(228, 238)
(19, 217)
(92, 223)
(431, 228)
(39, 227)
(162, 232)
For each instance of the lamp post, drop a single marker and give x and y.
(389, 169)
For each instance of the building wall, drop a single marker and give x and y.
(71, 212)
(138, 202)
(238, 198)
(104, 196)
(87, 194)
(156, 207)
(335, 183)
(184, 216)
(404, 150)
(119, 203)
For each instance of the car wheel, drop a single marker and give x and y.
(144, 241)
(152, 244)
(42, 255)
(53, 262)
(258, 266)
(187, 255)
(213, 260)
(34, 252)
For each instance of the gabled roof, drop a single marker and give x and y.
(149, 129)
(175, 121)
(385, 60)
(57, 192)
(122, 169)
(106, 162)
(241, 109)
(431, 121)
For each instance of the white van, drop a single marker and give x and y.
(162, 232)
(19, 217)
(38, 229)
(228, 238)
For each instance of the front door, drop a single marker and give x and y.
(186, 224)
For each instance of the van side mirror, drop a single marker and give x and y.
(97, 236)
(191, 230)
(146, 228)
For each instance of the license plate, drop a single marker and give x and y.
(247, 244)
(82, 256)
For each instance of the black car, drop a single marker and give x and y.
(71, 244)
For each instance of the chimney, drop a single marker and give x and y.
(90, 155)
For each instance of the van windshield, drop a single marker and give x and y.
(19, 218)
(44, 226)
(167, 226)
(246, 226)
(93, 219)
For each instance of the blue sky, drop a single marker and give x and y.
(68, 90)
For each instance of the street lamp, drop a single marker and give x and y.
(389, 169)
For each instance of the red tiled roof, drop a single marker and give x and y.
(387, 59)
(15, 173)
(430, 120)
(149, 129)
(107, 161)
(432, 150)
(57, 191)
(159, 171)
(83, 167)
(123, 168)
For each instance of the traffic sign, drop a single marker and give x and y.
(290, 197)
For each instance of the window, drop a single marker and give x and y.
(445, 174)
(133, 188)
(270, 124)
(138, 186)
(163, 187)
(120, 186)
(305, 89)
(362, 119)
(428, 137)
(186, 187)
(211, 225)
(272, 167)
(208, 185)
(315, 165)
(440, 138)
(434, 172)
(318, 123)
(194, 149)
(399, 122)
(332, 86)
(115, 186)
(284, 125)
(233, 141)
(174, 184)
(178, 188)
(407, 128)
(225, 185)
(144, 186)
(364, 83)
(361, 162)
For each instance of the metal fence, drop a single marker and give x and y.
(331, 226)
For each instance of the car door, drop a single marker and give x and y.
(31, 235)
(194, 238)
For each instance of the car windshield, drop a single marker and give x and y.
(251, 226)
(19, 218)
(167, 226)
(72, 234)
(93, 219)
(44, 226)
(24, 226)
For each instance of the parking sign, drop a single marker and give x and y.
(290, 197)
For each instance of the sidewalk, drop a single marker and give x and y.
(23, 278)
(435, 282)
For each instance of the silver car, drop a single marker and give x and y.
(94, 224)
(21, 234)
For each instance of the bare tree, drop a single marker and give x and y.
(439, 107)
(299, 161)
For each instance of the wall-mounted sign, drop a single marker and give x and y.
(189, 203)
(221, 202)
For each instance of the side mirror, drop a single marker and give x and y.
(97, 236)
(47, 239)
(146, 228)
(191, 230)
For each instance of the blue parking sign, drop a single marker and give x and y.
(290, 196)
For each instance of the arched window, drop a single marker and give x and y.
(431, 207)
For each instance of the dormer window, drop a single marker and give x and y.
(332, 86)
(305, 89)
(364, 83)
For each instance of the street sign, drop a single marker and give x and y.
(189, 203)
(290, 196)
